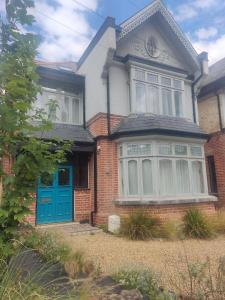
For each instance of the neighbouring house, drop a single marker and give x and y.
(211, 103)
(129, 105)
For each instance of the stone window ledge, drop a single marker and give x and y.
(164, 201)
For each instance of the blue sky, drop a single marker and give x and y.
(67, 26)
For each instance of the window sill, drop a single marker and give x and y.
(164, 201)
(82, 189)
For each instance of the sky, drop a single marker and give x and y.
(67, 26)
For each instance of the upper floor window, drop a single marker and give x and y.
(61, 107)
(157, 93)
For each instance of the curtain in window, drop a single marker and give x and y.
(140, 98)
(165, 177)
(132, 177)
(178, 103)
(65, 110)
(122, 177)
(75, 111)
(153, 99)
(167, 102)
(197, 177)
(183, 182)
(147, 177)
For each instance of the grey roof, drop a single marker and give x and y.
(65, 66)
(216, 71)
(73, 133)
(151, 123)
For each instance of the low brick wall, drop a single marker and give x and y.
(164, 212)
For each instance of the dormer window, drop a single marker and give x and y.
(60, 106)
(156, 93)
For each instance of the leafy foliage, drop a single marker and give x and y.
(140, 226)
(20, 120)
(196, 225)
(144, 281)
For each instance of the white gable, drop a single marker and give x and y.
(166, 20)
(136, 44)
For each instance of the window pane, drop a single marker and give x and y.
(139, 149)
(81, 170)
(153, 99)
(133, 177)
(147, 177)
(165, 149)
(140, 75)
(121, 150)
(152, 78)
(140, 98)
(196, 150)
(64, 176)
(178, 103)
(145, 149)
(166, 81)
(165, 177)
(212, 174)
(65, 109)
(183, 183)
(180, 150)
(167, 102)
(75, 111)
(197, 175)
(122, 177)
(132, 149)
(177, 84)
(47, 179)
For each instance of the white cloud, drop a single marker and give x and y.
(192, 9)
(185, 12)
(206, 33)
(215, 48)
(204, 3)
(67, 36)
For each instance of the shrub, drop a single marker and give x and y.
(139, 226)
(37, 284)
(144, 281)
(199, 281)
(196, 225)
(217, 222)
(47, 246)
(171, 230)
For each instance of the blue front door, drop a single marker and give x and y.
(55, 197)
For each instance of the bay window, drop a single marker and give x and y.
(156, 93)
(60, 106)
(161, 169)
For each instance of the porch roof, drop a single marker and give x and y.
(143, 124)
(72, 133)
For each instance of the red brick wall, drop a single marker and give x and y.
(83, 206)
(107, 178)
(216, 147)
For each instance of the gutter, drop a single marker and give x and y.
(203, 57)
(95, 210)
(108, 104)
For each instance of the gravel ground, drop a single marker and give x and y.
(164, 257)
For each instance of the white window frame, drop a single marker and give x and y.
(160, 87)
(60, 96)
(155, 157)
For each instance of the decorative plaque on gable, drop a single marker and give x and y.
(151, 46)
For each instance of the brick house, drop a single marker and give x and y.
(211, 103)
(129, 105)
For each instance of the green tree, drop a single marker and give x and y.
(19, 120)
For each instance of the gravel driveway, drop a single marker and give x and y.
(164, 257)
